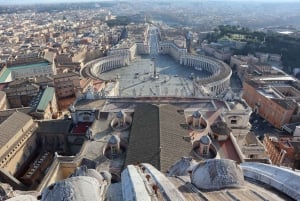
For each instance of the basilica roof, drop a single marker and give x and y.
(12, 125)
(156, 135)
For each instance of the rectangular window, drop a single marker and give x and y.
(233, 121)
(205, 150)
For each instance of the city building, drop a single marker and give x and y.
(185, 137)
(3, 101)
(253, 149)
(209, 180)
(66, 84)
(5, 75)
(125, 48)
(272, 102)
(18, 143)
(53, 135)
(31, 70)
(47, 105)
(107, 133)
(20, 94)
(170, 48)
(283, 151)
(240, 64)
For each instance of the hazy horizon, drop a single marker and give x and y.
(7, 2)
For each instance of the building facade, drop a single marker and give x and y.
(21, 94)
(283, 151)
(3, 101)
(47, 106)
(170, 48)
(32, 70)
(66, 84)
(18, 141)
(264, 101)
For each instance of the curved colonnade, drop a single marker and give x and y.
(215, 84)
(170, 48)
(107, 63)
(221, 73)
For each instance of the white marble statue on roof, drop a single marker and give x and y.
(72, 108)
(122, 121)
(216, 174)
(89, 133)
(182, 167)
(229, 95)
(5, 190)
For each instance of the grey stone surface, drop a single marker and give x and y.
(80, 188)
(181, 167)
(217, 174)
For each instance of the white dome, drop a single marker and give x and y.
(74, 188)
(215, 174)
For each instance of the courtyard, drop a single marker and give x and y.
(141, 78)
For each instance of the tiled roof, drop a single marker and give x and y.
(22, 88)
(4, 75)
(54, 127)
(144, 136)
(156, 135)
(171, 136)
(46, 98)
(286, 104)
(12, 125)
(61, 75)
(4, 114)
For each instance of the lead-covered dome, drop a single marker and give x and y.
(215, 174)
(196, 114)
(205, 140)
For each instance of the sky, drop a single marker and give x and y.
(5, 2)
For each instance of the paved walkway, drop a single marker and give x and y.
(137, 78)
